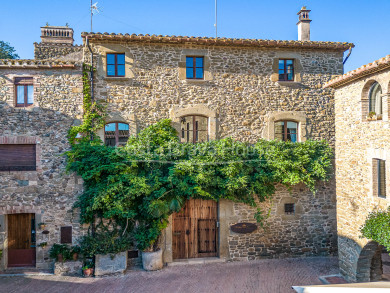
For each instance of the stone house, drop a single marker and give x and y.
(362, 152)
(210, 88)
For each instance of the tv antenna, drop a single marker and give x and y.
(216, 19)
(94, 10)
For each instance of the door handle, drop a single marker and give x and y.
(187, 232)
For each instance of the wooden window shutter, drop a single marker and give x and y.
(66, 234)
(18, 157)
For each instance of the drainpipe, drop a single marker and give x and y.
(349, 54)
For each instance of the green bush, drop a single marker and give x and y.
(377, 227)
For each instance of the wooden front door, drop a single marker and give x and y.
(194, 230)
(21, 240)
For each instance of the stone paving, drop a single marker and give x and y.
(262, 276)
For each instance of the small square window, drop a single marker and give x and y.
(24, 91)
(286, 70)
(116, 64)
(289, 208)
(194, 67)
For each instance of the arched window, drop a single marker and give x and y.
(286, 130)
(116, 133)
(375, 99)
(194, 129)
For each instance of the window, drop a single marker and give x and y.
(17, 157)
(116, 64)
(66, 234)
(194, 67)
(379, 177)
(286, 70)
(289, 208)
(286, 131)
(194, 129)
(24, 90)
(375, 99)
(116, 133)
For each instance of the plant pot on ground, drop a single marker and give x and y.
(152, 260)
(88, 269)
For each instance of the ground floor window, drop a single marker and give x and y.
(194, 129)
(116, 134)
(286, 130)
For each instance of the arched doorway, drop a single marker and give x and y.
(369, 265)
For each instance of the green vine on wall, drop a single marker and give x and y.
(93, 114)
(140, 185)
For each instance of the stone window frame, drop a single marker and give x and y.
(298, 69)
(295, 116)
(198, 110)
(25, 140)
(298, 208)
(117, 118)
(207, 76)
(34, 83)
(365, 100)
(105, 49)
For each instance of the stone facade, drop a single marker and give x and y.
(358, 142)
(47, 50)
(48, 192)
(242, 100)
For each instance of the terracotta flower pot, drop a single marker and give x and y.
(75, 256)
(88, 272)
(60, 258)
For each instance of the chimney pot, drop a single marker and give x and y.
(304, 24)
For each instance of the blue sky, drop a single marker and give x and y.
(362, 22)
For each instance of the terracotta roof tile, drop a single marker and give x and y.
(367, 69)
(342, 46)
(31, 63)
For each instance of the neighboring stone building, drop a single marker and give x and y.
(210, 88)
(362, 152)
(215, 88)
(39, 101)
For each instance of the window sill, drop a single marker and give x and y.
(119, 78)
(195, 81)
(288, 83)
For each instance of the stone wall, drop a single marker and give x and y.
(240, 96)
(358, 141)
(53, 50)
(49, 192)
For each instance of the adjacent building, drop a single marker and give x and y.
(211, 88)
(362, 163)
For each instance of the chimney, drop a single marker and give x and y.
(57, 35)
(304, 24)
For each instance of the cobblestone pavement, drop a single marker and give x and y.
(262, 276)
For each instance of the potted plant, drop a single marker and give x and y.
(88, 269)
(371, 116)
(148, 239)
(60, 252)
(75, 251)
(42, 244)
(41, 226)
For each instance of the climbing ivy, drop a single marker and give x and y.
(93, 117)
(377, 227)
(140, 185)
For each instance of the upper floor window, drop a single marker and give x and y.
(17, 157)
(194, 129)
(286, 69)
(116, 134)
(24, 91)
(375, 99)
(116, 64)
(194, 67)
(379, 177)
(286, 130)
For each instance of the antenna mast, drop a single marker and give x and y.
(91, 15)
(216, 19)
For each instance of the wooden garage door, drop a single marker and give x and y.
(21, 240)
(194, 230)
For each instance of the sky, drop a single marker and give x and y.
(362, 22)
